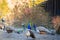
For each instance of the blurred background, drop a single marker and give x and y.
(40, 12)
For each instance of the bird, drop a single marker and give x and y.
(9, 30)
(30, 34)
(1, 27)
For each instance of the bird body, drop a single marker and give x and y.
(30, 34)
(9, 30)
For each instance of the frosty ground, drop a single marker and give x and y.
(22, 36)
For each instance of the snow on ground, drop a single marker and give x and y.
(15, 36)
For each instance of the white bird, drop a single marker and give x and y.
(43, 29)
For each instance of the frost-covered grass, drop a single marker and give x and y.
(22, 36)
